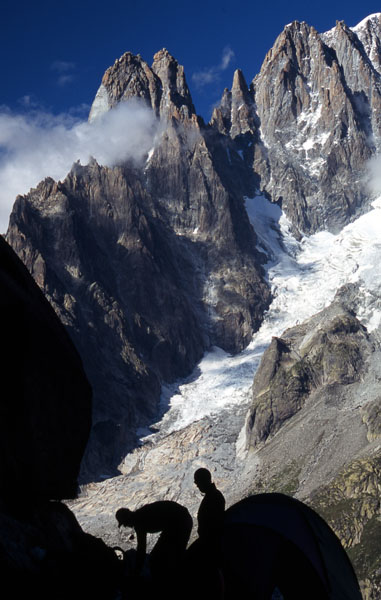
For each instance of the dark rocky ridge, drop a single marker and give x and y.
(147, 265)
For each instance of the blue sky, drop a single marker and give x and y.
(53, 56)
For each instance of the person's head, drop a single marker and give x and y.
(202, 479)
(125, 517)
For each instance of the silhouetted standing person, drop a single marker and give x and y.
(175, 524)
(205, 553)
(210, 515)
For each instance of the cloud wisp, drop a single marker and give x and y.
(42, 145)
(212, 74)
(64, 70)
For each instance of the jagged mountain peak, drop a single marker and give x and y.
(163, 87)
(235, 114)
(129, 77)
(316, 101)
(299, 26)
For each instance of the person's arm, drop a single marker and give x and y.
(140, 550)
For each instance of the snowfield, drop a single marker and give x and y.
(304, 277)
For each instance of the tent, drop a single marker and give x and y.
(275, 541)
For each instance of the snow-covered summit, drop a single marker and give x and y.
(368, 32)
(375, 17)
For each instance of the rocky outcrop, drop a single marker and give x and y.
(330, 349)
(372, 419)
(46, 402)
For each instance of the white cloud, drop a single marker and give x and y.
(205, 77)
(212, 74)
(64, 79)
(39, 145)
(227, 57)
(62, 66)
(64, 69)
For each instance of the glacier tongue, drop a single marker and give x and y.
(304, 278)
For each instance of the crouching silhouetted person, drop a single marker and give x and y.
(175, 524)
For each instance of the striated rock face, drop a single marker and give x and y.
(46, 400)
(311, 121)
(147, 265)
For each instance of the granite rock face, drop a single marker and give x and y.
(351, 505)
(147, 265)
(309, 121)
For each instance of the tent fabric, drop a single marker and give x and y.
(273, 539)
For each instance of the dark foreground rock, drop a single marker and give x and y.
(44, 427)
(46, 400)
(45, 554)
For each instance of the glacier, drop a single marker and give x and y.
(304, 277)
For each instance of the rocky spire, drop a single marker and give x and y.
(242, 113)
(221, 116)
(176, 101)
(235, 113)
(163, 87)
(129, 77)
